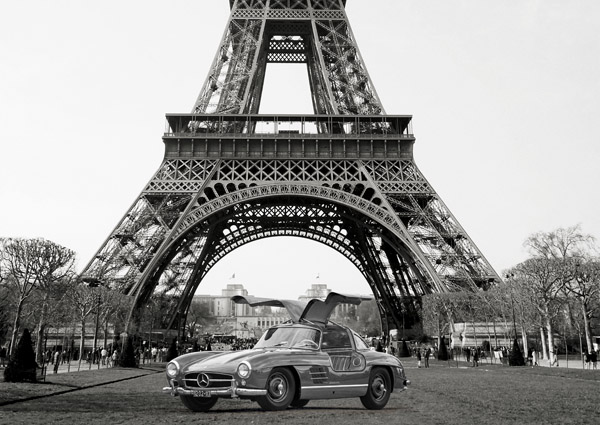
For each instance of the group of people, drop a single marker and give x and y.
(473, 355)
(591, 359)
(101, 356)
(423, 353)
(154, 354)
(243, 344)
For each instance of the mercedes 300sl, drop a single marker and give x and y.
(307, 358)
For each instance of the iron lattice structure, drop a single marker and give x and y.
(344, 176)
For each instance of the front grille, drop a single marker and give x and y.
(215, 380)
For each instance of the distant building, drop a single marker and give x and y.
(472, 334)
(222, 306)
(320, 290)
(316, 290)
(240, 320)
(244, 321)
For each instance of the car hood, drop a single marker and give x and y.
(227, 360)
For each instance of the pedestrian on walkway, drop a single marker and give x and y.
(56, 360)
(103, 355)
(427, 354)
(418, 358)
(476, 357)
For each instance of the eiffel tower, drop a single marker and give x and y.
(344, 176)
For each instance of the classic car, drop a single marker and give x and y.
(307, 358)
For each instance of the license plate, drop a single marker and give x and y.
(201, 393)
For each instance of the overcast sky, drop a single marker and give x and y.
(505, 97)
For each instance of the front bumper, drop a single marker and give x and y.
(232, 392)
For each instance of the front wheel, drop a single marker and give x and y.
(281, 389)
(379, 390)
(198, 404)
(299, 404)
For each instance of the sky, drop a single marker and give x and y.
(505, 99)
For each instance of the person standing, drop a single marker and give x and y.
(427, 354)
(56, 360)
(103, 355)
(3, 356)
(418, 358)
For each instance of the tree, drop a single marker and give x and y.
(443, 351)
(22, 366)
(84, 301)
(516, 357)
(6, 307)
(127, 357)
(543, 279)
(573, 249)
(440, 311)
(586, 288)
(431, 314)
(172, 351)
(369, 318)
(114, 308)
(559, 244)
(198, 315)
(33, 265)
(518, 306)
(55, 264)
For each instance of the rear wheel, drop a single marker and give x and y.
(281, 388)
(379, 390)
(198, 404)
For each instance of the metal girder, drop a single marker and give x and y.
(296, 31)
(344, 177)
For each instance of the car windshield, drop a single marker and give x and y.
(290, 337)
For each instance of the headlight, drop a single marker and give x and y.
(172, 369)
(244, 370)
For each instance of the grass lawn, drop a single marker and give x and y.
(63, 382)
(441, 394)
(503, 394)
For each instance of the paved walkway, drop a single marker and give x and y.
(85, 366)
(574, 362)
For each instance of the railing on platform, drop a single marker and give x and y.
(289, 126)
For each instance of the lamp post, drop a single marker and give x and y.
(95, 284)
(512, 303)
(516, 358)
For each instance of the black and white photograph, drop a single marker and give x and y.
(287, 211)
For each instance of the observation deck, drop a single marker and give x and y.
(288, 136)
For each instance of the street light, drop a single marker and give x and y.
(512, 303)
(95, 284)
(516, 358)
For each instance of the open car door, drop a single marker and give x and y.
(315, 310)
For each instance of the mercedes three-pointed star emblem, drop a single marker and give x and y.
(203, 380)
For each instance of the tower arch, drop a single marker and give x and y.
(230, 175)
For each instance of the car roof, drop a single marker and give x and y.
(316, 310)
